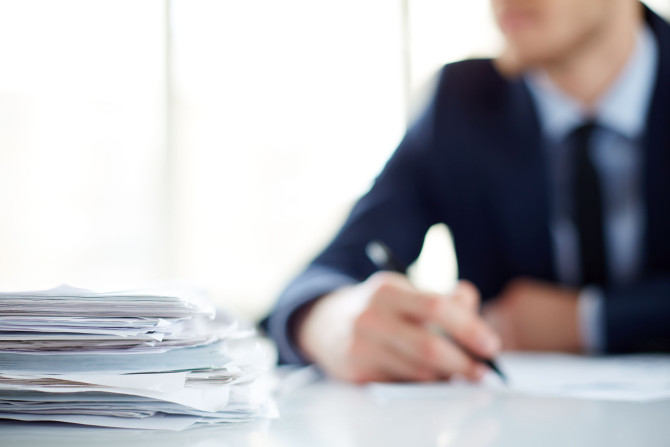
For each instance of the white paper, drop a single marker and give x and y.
(157, 422)
(126, 359)
(633, 378)
(161, 382)
(69, 301)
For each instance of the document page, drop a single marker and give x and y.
(639, 378)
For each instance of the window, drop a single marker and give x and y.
(217, 142)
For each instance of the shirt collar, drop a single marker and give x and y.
(623, 108)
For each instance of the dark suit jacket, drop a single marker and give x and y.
(474, 161)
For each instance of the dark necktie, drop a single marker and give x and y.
(588, 208)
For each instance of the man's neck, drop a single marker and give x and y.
(587, 74)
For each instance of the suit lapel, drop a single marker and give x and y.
(521, 186)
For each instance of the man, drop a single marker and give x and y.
(551, 166)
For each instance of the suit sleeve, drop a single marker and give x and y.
(396, 210)
(637, 317)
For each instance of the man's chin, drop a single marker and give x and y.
(513, 62)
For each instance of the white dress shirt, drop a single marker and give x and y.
(617, 153)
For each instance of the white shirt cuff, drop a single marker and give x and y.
(590, 315)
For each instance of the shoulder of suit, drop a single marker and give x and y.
(473, 81)
(472, 67)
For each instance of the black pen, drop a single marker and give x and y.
(382, 257)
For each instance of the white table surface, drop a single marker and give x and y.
(335, 414)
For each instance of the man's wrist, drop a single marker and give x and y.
(297, 330)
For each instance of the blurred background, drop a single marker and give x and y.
(216, 142)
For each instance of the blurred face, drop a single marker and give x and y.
(547, 31)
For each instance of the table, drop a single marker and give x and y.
(327, 413)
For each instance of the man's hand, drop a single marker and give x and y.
(532, 315)
(384, 330)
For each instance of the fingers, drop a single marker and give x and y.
(388, 336)
(468, 329)
(467, 295)
(499, 319)
(441, 355)
(459, 318)
(430, 356)
(393, 293)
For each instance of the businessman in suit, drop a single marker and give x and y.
(551, 166)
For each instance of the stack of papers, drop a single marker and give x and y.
(130, 359)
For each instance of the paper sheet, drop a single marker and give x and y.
(633, 378)
(154, 360)
(157, 422)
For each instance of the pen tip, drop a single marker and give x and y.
(497, 370)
